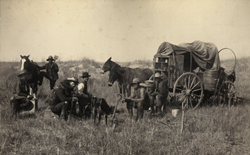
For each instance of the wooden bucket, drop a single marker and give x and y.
(210, 79)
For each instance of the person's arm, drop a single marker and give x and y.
(42, 67)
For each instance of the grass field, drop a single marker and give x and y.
(207, 130)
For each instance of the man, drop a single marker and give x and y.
(20, 101)
(136, 99)
(62, 97)
(150, 89)
(160, 93)
(82, 93)
(51, 72)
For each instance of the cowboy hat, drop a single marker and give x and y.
(50, 58)
(85, 74)
(73, 79)
(157, 75)
(66, 84)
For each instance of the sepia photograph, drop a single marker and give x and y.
(125, 77)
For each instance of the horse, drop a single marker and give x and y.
(124, 75)
(31, 73)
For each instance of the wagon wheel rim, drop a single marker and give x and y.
(191, 93)
(233, 54)
(227, 91)
(231, 92)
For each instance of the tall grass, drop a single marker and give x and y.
(207, 130)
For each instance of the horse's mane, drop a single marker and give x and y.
(115, 65)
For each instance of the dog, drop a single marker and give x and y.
(101, 107)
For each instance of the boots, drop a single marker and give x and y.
(130, 112)
(139, 113)
(64, 112)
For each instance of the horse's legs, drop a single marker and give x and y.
(33, 90)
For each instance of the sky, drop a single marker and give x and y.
(125, 30)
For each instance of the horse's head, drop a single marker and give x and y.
(115, 74)
(24, 60)
(107, 66)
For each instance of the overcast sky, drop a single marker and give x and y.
(125, 30)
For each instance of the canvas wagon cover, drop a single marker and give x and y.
(204, 54)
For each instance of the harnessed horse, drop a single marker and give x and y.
(31, 74)
(124, 75)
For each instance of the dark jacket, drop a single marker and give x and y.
(161, 88)
(61, 94)
(51, 69)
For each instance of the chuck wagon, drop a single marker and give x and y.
(194, 73)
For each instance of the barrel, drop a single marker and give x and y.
(210, 79)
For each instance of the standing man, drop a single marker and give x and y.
(82, 92)
(160, 93)
(51, 72)
(62, 97)
(136, 99)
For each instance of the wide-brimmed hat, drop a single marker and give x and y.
(66, 84)
(157, 75)
(85, 74)
(73, 79)
(50, 58)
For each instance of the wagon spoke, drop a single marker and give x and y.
(179, 88)
(195, 85)
(189, 79)
(196, 90)
(183, 102)
(192, 82)
(191, 104)
(185, 83)
(182, 97)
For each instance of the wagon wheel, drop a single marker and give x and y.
(188, 90)
(228, 92)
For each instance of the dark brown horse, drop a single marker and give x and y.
(31, 73)
(124, 76)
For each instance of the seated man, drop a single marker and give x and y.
(62, 98)
(20, 101)
(160, 93)
(83, 95)
(150, 89)
(137, 99)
